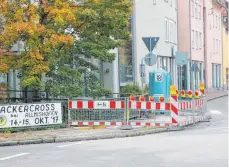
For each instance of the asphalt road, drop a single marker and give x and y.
(205, 144)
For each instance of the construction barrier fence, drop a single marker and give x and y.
(120, 112)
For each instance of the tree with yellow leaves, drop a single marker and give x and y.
(58, 35)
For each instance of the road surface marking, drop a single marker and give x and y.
(13, 156)
(216, 112)
(62, 146)
(215, 128)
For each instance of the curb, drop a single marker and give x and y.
(84, 138)
(217, 97)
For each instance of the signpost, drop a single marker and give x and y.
(150, 59)
(193, 69)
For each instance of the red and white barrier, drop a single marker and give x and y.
(188, 104)
(149, 105)
(174, 109)
(174, 106)
(185, 105)
(79, 104)
(117, 105)
(114, 123)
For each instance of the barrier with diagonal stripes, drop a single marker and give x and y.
(125, 112)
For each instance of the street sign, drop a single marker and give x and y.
(150, 42)
(101, 104)
(181, 58)
(195, 68)
(150, 59)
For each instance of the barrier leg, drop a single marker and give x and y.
(174, 114)
(126, 116)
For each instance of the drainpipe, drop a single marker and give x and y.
(190, 33)
(133, 31)
(222, 67)
(204, 42)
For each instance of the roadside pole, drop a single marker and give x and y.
(150, 59)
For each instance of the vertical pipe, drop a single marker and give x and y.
(134, 49)
(190, 33)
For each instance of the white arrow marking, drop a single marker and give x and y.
(62, 146)
(13, 156)
(216, 112)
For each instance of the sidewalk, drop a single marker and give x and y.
(75, 134)
(216, 94)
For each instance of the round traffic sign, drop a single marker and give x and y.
(150, 59)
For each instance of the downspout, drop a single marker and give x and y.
(222, 67)
(204, 42)
(133, 31)
(190, 33)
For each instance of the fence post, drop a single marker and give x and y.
(68, 120)
(126, 116)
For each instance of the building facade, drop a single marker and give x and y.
(155, 18)
(225, 46)
(190, 37)
(213, 44)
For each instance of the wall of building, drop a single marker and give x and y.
(184, 38)
(225, 55)
(151, 19)
(110, 75)
(191, 37)
(213, 41)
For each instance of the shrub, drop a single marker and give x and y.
(129, 89)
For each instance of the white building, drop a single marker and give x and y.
(155, 18)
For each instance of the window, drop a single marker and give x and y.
(192, 38)
(219, 22)
(192, 10)
(171, 31)
(213, 45)
(196, 13)
(197, 46)
(175, 32)
(213, 20)
(213, 76)
(199, 11)
(200, 38)
(216, 21)
(201, 72)
(166, 30)
(219, 47)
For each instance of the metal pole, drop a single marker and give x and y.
(193, 91)
(142, 84)
(181, 74)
